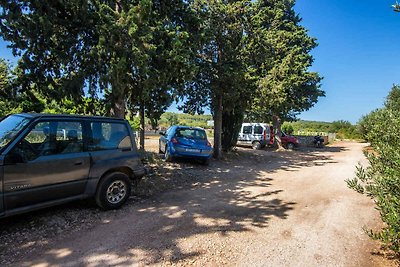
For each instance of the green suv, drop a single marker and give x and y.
(47, 160)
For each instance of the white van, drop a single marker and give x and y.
(257, 135)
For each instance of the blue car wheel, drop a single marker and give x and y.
(205, 161)
(167, 154)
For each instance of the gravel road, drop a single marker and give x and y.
(254, 208)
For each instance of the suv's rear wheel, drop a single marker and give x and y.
(113, 191)
(256, 145)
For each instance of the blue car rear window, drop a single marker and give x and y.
(191, 134)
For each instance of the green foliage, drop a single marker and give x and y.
(220, 81)
(287, 128)
(172, 119)
(381, 180)
(233, 57)
(85, 106)
(343, 129)
(131, 47)
(5, 78)
(169, 118)
(254, 59)
(6, 95)
(12, 100)
(135, 123)
(280, 50)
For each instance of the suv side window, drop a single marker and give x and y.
(258, 130)
(50, 138)
(109, 135)
(247, 129)
(69, 137)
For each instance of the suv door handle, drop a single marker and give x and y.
(78, 163)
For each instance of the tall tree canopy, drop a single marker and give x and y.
(285, 85)
(69, 46)
(220, 82)
(254, 61)
(6, 92)
(281, 59)
(237, 57)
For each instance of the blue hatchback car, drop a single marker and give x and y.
(185, 142)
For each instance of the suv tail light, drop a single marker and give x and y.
(174, 140)
(208, 143)
(265, 135)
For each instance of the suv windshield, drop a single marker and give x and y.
(10, 127)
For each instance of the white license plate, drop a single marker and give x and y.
(192, 150)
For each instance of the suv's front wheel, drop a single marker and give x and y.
(113, 191)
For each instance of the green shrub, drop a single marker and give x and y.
(381, 180)
(287, 128)
(135, 123)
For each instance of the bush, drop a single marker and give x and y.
(381, 180)
(287, 128)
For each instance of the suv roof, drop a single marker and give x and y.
(41, 115)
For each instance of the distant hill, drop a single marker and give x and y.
(343, 129)
(170, 118)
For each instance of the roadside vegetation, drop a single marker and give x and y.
(343, 129)
(170, 118)
(381, 180)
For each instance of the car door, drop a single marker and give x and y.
(246, 134)
(43, 166)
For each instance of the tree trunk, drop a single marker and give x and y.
(231, 124)
(218, 127)
(118, 108)
(141, 141)
(276, 121)
(118, 97)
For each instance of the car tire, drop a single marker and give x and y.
(159, 148)
(167, 155)
(113, 191)
(290, 146)
(205, 162)
(256, 145)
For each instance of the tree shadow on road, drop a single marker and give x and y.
(180, 203)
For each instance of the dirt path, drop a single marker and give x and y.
(257, 208)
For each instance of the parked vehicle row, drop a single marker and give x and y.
(47, 160)
(259, 135)
(191, 142)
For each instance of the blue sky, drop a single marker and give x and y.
(358, 55)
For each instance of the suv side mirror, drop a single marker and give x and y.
(161, 132)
